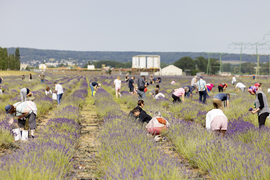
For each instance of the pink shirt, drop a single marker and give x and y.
(179, 92)
(209, 86)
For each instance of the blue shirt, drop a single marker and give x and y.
(190, 89)
(201, 85)
(221, 96)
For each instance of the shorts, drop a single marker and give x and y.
(117, 88)
(131, 89)
(219, 123)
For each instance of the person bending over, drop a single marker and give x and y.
(178, 93)
(143, 116)
(222, 87)
(94, 86)
(219, 98)
(189, 91)
(216, 121)
(25, 92)
(241, 87)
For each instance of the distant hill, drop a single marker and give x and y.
(30, 54)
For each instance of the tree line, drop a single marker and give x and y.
(199, 64)
(9, 61)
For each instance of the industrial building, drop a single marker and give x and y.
(146, 62)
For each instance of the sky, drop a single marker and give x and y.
(134, 25)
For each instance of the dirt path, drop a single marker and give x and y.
(85, 160)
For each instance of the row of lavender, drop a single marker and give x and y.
(245, 151)
(44, 103)
(128, 152)
(49, 156)
(243, 154)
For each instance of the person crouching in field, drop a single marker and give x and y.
(143, 116)
(156, 125)
(25, 92)
(189, 92)
(48, 91)
(219, 98)
(262, 107)
(23, 110)
(117, 85)
(177, 93)
(222, 87)
(241, 86)
(216, 121)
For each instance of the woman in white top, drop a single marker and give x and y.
(117, 85)
(159, 95)
(48, 91)
(216, 121)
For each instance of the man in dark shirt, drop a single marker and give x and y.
(131, 85)
(143, 116)
(94, 86)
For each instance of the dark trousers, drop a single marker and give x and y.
(32, 121)
(220, 89)
(262, 119)
(202, 97)
(176, 98)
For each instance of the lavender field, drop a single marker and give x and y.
(124, 150)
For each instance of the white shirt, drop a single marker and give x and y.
(210, 116)
(240, 85)
(117, 83)
(48, 92)
(159, 95)
(193, 82)
(59, 89)
(234, 79)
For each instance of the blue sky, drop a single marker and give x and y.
(138, 25)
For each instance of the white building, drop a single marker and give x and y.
(42, 66)
(23, 66)
(91, 67)
(146, 61)
(170, 70)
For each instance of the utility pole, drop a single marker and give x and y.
(208, 65)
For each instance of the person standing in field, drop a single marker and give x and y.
(193, 83)
(94, 86)
(131, 85)
(117, 85)
(201, 84)
(254, 77)
(141, 86)
(1, 80)
(216, 121)
(59, 91)
(42, 77)
(25, 92)
(23, 110)
(233, 80)
(30, 77)
(241, 86)
(219, 98)
(23, 77)
(261, 105)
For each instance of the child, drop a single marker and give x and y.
(48, 91)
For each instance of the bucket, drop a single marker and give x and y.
(17, 134)
(24, 135)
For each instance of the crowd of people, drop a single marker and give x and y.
(27, 109)
(216, 120)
